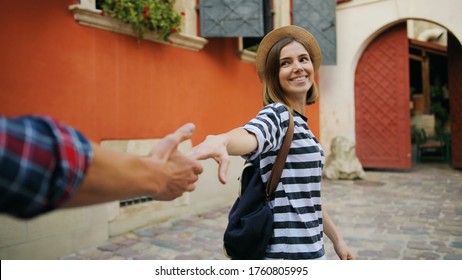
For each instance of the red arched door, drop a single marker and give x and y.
(383, 137)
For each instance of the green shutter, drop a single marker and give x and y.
(318, 17)
(231, 18)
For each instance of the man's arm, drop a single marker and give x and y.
(42, 163)
(46, 165)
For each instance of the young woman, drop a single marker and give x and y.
(287, 60)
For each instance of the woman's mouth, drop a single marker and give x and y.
(299, 79)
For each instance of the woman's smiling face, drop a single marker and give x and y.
(296, 72)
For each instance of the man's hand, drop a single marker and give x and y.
(180, 171)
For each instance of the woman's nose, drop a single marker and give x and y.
(298, 66)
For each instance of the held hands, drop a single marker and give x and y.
(180, 171)
(165, 174)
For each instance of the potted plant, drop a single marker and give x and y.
(157, 16)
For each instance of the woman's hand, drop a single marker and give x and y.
(214, 146)
(236, 142)
(342, 250)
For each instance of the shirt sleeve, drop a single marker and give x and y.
(269, 127)
(42, 164)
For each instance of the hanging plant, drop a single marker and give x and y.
(157, 16)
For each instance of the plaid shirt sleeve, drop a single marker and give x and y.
(42, 164)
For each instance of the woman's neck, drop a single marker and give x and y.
(298, 106)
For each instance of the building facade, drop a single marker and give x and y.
(63, 59)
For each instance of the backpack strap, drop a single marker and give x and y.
(280, 161)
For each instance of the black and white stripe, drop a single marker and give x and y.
(296, 203)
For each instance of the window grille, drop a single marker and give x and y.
(136, 200)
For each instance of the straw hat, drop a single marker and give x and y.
(287, 31)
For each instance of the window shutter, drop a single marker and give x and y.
(231, 18)
(318, 17)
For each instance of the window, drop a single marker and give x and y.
(248, 45)
(88, 14)
(318, 17)
(231, 18)
(251, 43)
(252, 19)
(249, 20)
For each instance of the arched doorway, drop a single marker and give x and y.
(384, 78)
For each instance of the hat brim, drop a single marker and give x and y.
(287, 31)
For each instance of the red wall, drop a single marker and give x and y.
(110, 86)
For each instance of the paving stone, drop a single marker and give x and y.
(72, 257)
(111, 247)
(457, 245)
(429, 256)
(413, 215)
(389, 254)
(127, 242)
(104, 256)
(126, 252)
(419, 245)
(453, 257)
(165, 244)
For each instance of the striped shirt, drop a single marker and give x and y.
(296, 203)
(42, 164)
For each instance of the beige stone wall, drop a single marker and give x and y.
(209, 191)
(55, 234)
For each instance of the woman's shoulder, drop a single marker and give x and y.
(276, 105)
(276, 112)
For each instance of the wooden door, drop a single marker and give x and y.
(383, 136)
(455, 98)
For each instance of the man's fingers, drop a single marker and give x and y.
(197, 155)
(185, 132)
(191, 188)
(198, 169)
(170, 142)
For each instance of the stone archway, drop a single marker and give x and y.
(358, 24)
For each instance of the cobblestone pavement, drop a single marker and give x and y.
(388, 215)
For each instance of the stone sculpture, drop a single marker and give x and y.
(343, 163)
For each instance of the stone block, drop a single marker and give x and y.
(343, 163)
(13, 231)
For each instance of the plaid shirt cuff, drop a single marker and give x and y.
(42, 164)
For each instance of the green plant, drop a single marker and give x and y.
(145, 15)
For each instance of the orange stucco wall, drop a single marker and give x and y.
(111, 87)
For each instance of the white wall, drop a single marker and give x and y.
(358, 23)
